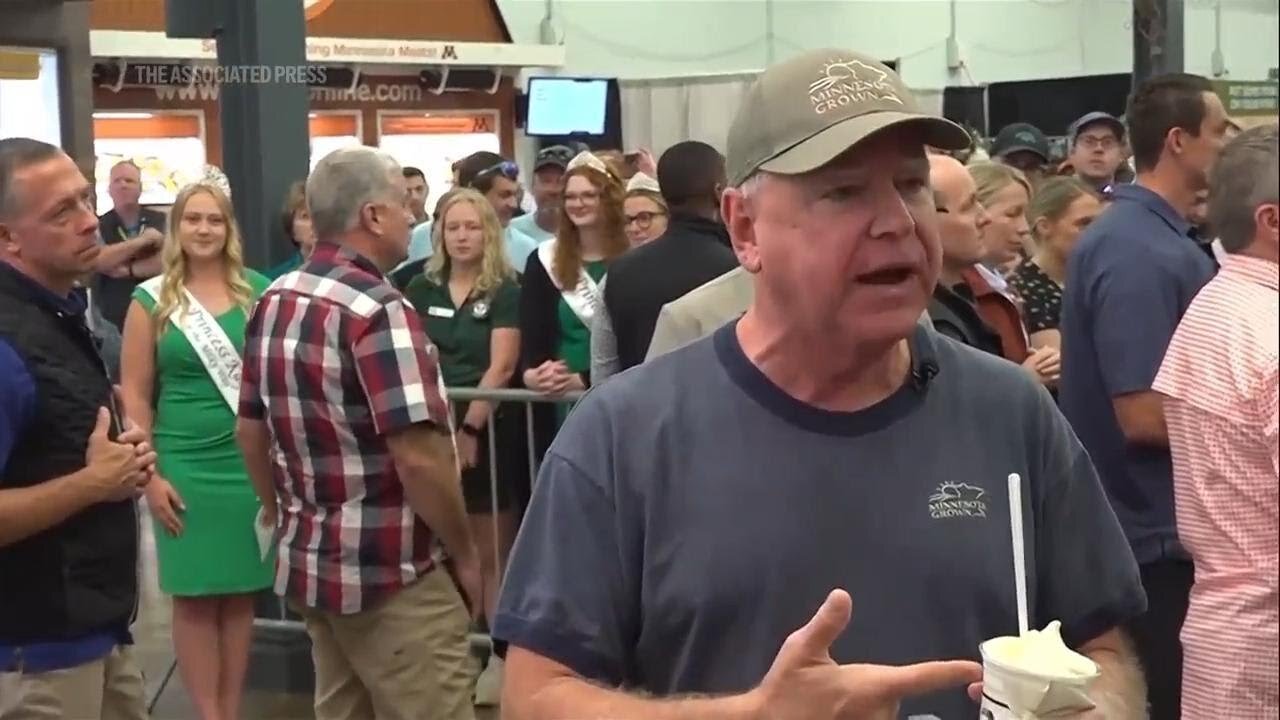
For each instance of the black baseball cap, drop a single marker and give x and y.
(553, 156)
(1020, 137)
(1096, 117)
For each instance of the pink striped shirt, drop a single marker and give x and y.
(1222, 391)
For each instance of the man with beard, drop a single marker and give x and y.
(548, 171)
(1133, 273)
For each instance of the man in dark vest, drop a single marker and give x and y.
(70, 466)
(693, 250)
(132, 236)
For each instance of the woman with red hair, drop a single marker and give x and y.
(560, 291)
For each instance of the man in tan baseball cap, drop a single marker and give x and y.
(800, 116)
(804, 113)
(695, 511)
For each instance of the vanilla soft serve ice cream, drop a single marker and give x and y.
(1034, 675)
(1041, 652)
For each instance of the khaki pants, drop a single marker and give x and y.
(107, 689)
(406, 659)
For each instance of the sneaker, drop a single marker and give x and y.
(489, 684)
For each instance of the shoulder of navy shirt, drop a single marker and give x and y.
(1137, 204)
(17, 406)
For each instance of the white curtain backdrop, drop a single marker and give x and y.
(657, 114)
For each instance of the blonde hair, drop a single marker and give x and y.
(494, 267)
(992, 177)
(567, 260)
(174, 261)
(1054, 197)
(656, 197)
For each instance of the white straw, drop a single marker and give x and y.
(1019, 551)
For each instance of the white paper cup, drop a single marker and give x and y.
(1010, 693)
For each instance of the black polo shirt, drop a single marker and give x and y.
(692, 252)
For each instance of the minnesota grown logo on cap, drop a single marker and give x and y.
(845, 82)
(801, 113)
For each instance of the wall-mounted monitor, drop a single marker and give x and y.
(561, 106)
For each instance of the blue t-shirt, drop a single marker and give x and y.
(17, 400)
(690, 515)
(420, 247)
(1131, 277)
(528, 225)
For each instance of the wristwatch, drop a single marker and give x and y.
(471, 430)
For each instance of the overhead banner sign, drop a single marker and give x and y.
(19, 65)
(1245, 98)
(129, 44)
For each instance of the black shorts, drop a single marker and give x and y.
(512, 460)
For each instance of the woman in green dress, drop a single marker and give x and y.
(559, 292)
(180, 372)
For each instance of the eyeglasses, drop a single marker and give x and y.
(589, 196)
(1091, 142)
(643, 220)
(506, 168)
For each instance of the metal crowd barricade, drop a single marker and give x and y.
(273, 615)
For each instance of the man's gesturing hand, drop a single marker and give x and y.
(806, 684)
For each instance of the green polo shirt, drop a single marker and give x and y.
(461, 334)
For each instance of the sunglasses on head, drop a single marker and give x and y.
(506, 168)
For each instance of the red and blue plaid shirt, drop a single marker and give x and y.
(336, 359)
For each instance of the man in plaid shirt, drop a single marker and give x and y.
(347, 439)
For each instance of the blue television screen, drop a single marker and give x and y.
(566, 106)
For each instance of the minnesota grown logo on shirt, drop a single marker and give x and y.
(953, 500)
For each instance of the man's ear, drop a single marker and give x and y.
(735, 208)
(1176, 140)
(7, 240)
(1266, 217)
(369, 217)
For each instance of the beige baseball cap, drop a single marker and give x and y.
(801, 114)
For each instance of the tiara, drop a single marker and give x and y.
(640, 181)
(586, 159)
(213, 175)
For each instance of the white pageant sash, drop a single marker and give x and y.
(216, 351)
(582, 299)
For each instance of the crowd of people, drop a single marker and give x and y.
(801, 352)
